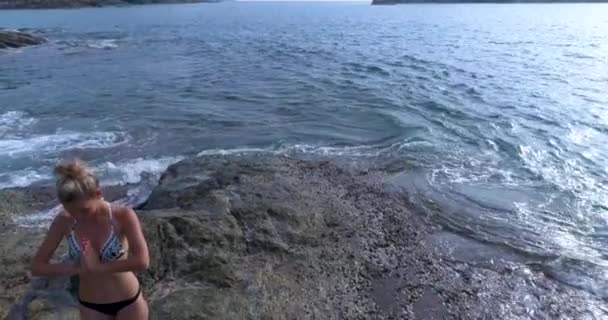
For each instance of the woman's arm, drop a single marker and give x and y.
(138, 258)
(40, 263)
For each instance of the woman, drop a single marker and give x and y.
(105, 243)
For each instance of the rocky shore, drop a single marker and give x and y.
(271, 237)
(18, 39)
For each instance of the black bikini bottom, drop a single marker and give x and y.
(113, 308)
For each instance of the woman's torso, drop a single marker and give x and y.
(107, 239)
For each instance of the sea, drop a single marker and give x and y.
(492, 117)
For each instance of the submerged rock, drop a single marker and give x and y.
(270, 237)
(18, 39)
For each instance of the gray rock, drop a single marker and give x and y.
(270, 237)
(18, 39)
(16, 202)
(23, 200)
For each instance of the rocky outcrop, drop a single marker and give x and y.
(261, 237)
(18, 39)
(14, 202)
(270, 237)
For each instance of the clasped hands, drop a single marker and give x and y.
(89, 259)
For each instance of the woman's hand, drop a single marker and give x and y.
(89, 261)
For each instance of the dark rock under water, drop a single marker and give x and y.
(261, 236)
(18, 39)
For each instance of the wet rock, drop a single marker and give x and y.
(430, 306)
(16, 250)
(18, 39)
(21, 295)
(47, 309)
(270, 237)
(19, 201)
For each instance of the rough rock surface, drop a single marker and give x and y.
(20, 201)
(18, 39)
(269, 237)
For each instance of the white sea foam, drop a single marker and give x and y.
(224, 152)
(60, 142)
(23, 178)
(581, 135)
(14, 120)
(132, 171)
(568, 175)
(144, 173)
(297, 149)
(486, 173)
(354, 151)
(306, 149)
(38, 219)
(105, 44)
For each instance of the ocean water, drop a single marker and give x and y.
(493, 117)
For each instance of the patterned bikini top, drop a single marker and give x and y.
(111, 250)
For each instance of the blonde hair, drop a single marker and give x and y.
(75, 181)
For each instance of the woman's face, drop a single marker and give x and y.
(83, 208)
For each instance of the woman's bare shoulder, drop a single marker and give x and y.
(120, 212)
(123, 215)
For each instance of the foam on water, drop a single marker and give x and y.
(24, 178)
(225, 152)
(105, 44)
(141, 174)
(12, 121)
(499, 201)
(354, 151)
(360, 151)
(61, 142)
(102, 44)
(133, 171)
(568, 175)
(580, 135)
(357, 151)
(39, 219)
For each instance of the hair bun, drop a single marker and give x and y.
(71, 169)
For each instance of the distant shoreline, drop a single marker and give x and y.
(76, 4)
(394, 2)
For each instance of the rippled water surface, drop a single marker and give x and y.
(493, 116)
